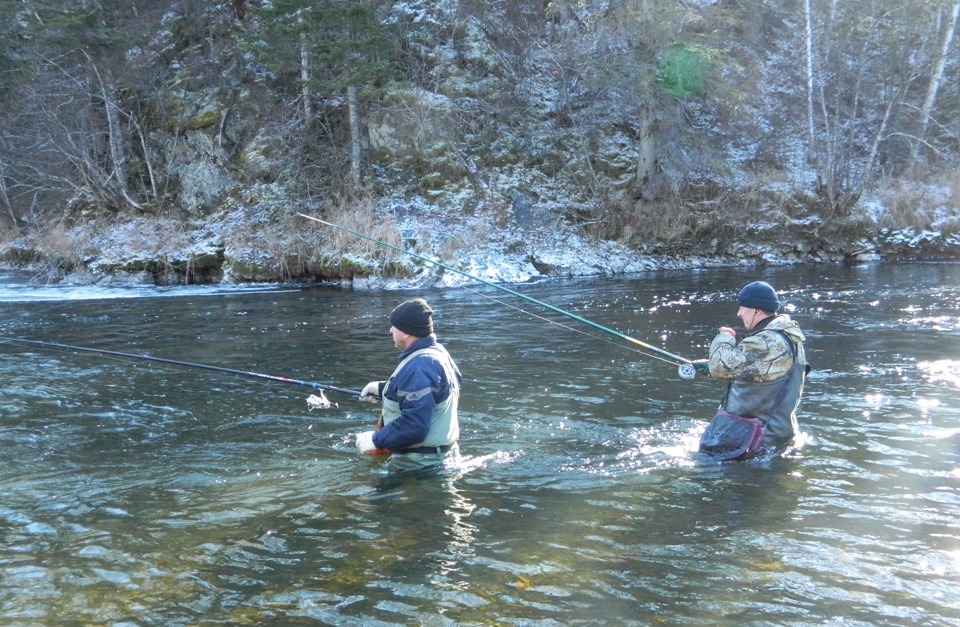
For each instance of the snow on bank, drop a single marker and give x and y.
(251, 246)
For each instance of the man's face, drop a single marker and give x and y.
(749, 317)
(400, 339)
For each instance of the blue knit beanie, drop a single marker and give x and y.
(759, 295)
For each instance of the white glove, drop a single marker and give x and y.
(371, 392)
(365, 442)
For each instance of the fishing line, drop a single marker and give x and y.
(592, 336)
(567, 326)
(175, 362)
(686, 370)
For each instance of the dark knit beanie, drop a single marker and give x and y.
(759, 295)
(413, 318)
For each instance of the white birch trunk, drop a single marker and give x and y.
(305, 79)
(117, 157)
(881, 132)
(936, 77)
(148, 161)
(116, 141)
(355, 152)
(811, 129)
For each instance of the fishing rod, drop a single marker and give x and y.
(687, 369)
(244, 373)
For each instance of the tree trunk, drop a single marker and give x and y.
(305, 79)
(936, 77)
(148, 163)
(647, 159)
(5, 197)
(355, 152)
(881, 133)
(811, 127)
(116, 139)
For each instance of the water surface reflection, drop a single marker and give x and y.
(139, 493)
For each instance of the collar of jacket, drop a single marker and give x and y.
(760, 326)
(419, 343)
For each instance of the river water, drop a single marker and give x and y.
(139, 493)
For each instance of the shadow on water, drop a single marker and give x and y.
(137, 493)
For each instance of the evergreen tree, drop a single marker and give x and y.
(338, 50)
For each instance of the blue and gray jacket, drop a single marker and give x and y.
(420, 399)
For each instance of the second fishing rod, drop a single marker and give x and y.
(177, 362)
(687, 368)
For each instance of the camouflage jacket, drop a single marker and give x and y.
(761, 355)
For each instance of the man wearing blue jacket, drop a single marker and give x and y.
(418, 424)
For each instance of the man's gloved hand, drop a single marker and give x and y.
(371, 392)
(692, 369)
(366, 446)
(365, 443)
(702, 366)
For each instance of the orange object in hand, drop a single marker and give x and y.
(366, 446)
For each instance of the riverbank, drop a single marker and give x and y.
(264, 245)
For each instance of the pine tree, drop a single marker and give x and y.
(334, 48)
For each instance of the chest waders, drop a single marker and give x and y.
(444, 427)
(774, 403)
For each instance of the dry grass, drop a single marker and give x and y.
(951, 181)
(312, 248)
(921, 200)
(454, 245)
(8, 231)
(701, 214)
(61, 247)
(362, 218)
(666, 221)
(907, 206)
(56, 249)
(633, 222)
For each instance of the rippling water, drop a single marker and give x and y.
(139, 493)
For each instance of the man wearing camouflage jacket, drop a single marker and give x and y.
(766, 368)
